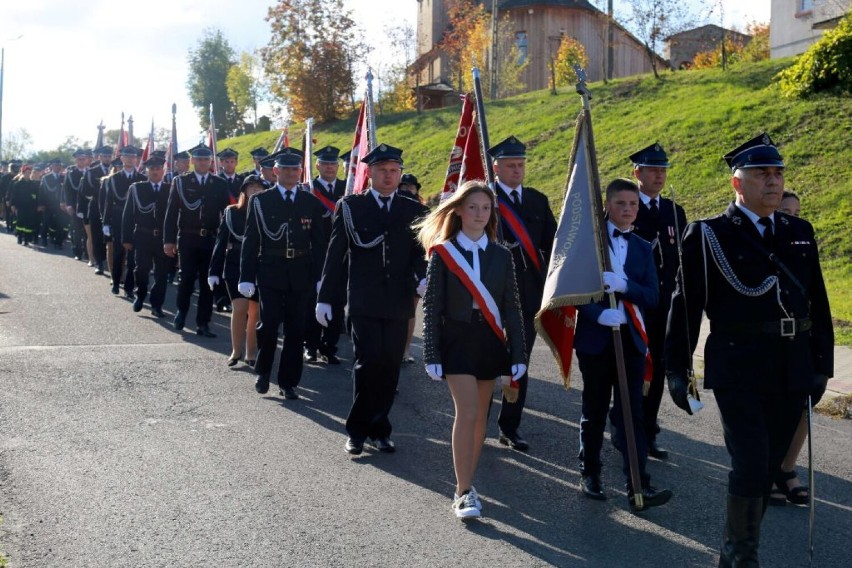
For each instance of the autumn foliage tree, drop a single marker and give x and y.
(756, 49)
(466, 39)
(571, 52)
(310, 57)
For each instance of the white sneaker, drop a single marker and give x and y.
(464, 507)
(476, 500)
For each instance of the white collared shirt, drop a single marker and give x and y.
(128, 173)
(754, 218)
(468, 244)
(647, 199)
(508, 191)
(201, 179)
(294, 190)
(377, 195)
(617, 255)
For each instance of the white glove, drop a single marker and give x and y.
(107, 231)
(435, 372)
(319, 283)
(421, 288)
(213, 281)
(518, 371)
(323, 313)
(614, 282)
(612, 318)
(246, 289)
(80, 214)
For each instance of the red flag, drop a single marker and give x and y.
(456, 154)
(472, 166)
(356, 179)
(149, 147)
(283, 141)
(212, 142)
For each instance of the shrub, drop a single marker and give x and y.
(826, 65)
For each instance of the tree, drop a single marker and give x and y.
(244, 88)
(16, 144)
(310, 57)
(655, 20)
(825, 66)
(467, 38)
(571, 52)
(209, 64)
(511, 61)
(396, 93)
(758, 48)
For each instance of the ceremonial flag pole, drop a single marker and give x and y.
(100, 140)
(149, 147)
(603, 254)
(283, 140)
(121, 142)
(173, 147)
(129, 140)
(482, 126)
(308, 148)
(365, 140)
(212, 141)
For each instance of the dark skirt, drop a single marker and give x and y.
(472, 348)
(234, 293)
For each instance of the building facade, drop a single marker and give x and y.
(795, 25)
(681, 48)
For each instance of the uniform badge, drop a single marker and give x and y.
(306, 223)
(736, 220)
(785, 221)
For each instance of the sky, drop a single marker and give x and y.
(68, 65)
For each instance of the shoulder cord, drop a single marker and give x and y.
(276, 236)
(70, 180)
(728, 272)
(115, 190)
(230, 225)
(142, 210)
(191, 206)
(353, 234)
(48, 187)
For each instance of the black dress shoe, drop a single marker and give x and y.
(251, 362)
(354, 446)
(137, 304)
(261, 385)
(289, 393)
(234, 360)
(129, 296)
(657, 452)
(331, 360)
(651, 497)
(591, 487)
(99, 270)
(514, 441)
(115, 289)
(311, 356)
(204, 331)
(384, 445)
(180, 320)
(157, 312)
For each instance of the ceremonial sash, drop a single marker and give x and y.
(328, 203)
(458, 265)
(639, 324)
(517, 227)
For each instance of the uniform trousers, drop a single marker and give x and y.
(98, 243)
(656, 328)
(379, 345)
(276, 307)
(194, 265)
(324, 338)
(54, 224)
(119, 256)
(77, 235)
(149, 254)
(510, 412)
(758, 428)
(600, 381)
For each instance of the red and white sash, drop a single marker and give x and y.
(639, 324)
(458, 265)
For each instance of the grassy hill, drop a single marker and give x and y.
(697, 116)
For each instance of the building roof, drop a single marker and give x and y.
(507, 4)
(708, 27)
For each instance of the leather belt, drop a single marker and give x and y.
(199, 232)
(784, 327)
(286, 253)
(155, 232)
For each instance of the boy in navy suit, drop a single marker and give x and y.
(633, 280)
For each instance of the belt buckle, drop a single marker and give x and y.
(289, 253)
(788, 327)
(202, 232)
(156, 232)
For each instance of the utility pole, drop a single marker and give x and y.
(610, 52)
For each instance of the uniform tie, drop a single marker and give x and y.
(156, 187)
(516, 199)
(616, 233)
(768, 237)
(385, 199)
(288, 196)
(655, 210)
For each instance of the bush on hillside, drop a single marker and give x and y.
(826, 65)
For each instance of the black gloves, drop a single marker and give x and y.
(678, 388)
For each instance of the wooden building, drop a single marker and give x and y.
(539, 26)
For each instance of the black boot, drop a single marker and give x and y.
(742, 533)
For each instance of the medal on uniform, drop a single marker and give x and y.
(671, 235)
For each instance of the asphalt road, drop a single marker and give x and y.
(124, 443)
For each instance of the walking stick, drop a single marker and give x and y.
(626, 412)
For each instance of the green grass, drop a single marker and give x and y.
(697, 116)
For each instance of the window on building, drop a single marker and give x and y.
(806, 5)
(522, 45)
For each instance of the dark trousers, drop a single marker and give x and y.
(54, 225)
(323, 338)
(277, 307)
(149, 254)
(194, 265)
(98, 243)
(379, 346)
(600, 381)
(656, 328)
(510, 412)
(77, 236)
(119, 256)
(758, 428)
